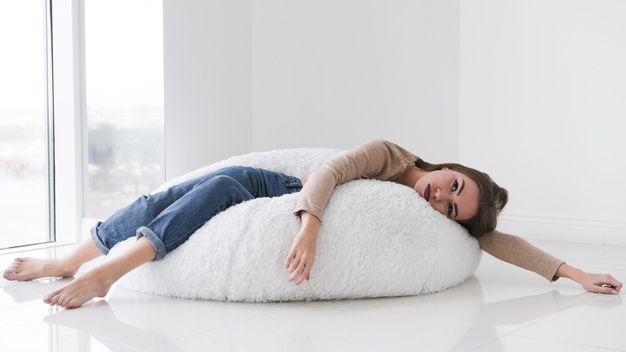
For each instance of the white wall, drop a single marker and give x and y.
(528, 91)
(207, 82)
(335, 74)
(542, 107)
(244, 76)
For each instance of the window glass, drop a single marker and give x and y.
(24, 192)
(124, 100)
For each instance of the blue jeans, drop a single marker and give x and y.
(168, 218)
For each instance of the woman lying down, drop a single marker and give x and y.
(163, 221)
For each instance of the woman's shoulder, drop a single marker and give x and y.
(391, 149)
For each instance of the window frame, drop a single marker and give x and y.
(69, 112)
(65, 95)
(71, 157)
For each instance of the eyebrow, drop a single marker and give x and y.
(460, 190)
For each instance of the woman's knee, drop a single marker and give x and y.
(239, 173)
(231, 188)
(219, 181)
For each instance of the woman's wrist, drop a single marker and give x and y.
(309, 220)
(570, 272)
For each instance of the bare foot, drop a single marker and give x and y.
(24, 269)
(92, 284)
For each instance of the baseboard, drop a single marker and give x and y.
(569, 230)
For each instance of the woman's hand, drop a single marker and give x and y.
(591, 282)
(594, 282)
(302, 254)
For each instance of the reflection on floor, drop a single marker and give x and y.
(501, 308)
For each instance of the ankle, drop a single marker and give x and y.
(63, 266)
(104, 275)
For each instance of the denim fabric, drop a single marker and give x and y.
(168, 218)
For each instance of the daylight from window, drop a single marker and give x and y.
(23, 124)
(124, 93)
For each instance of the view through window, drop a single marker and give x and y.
(124, 93)
(24, 146)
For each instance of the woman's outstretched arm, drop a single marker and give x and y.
(591, 282)
(517, 251)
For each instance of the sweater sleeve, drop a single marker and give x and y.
(379, 159)
(519, 252)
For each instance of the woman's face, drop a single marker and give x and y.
(451, 193)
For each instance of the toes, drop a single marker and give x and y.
(57, 302)
(10, 275)
(67, 302)
(54, 300)
(71, 305)
(12, 268)
(50, 296)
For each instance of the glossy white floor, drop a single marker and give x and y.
(501, 308)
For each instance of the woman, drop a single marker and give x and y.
(163, 221)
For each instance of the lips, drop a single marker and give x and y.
(427, 192)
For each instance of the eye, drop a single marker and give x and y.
(455, 186)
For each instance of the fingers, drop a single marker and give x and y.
(303, 274)
(288, 260)
(607, 290)
(296, 273)
(291, 261)
(299, 265)
(299, 269)
(616, 284)
(608, 279)
(294, 264)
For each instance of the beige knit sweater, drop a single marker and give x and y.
(383, 160)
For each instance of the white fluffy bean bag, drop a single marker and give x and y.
(377, 239)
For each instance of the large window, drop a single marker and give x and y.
(103, 74)
(124, 97)
(26, 178)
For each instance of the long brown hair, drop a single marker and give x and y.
(492, 197)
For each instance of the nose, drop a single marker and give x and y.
(439, 194)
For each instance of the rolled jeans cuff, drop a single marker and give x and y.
(154, 240)
(96, 239)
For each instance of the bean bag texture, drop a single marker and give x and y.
(377, 239)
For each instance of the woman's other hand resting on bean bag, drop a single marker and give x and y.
(302, 253)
